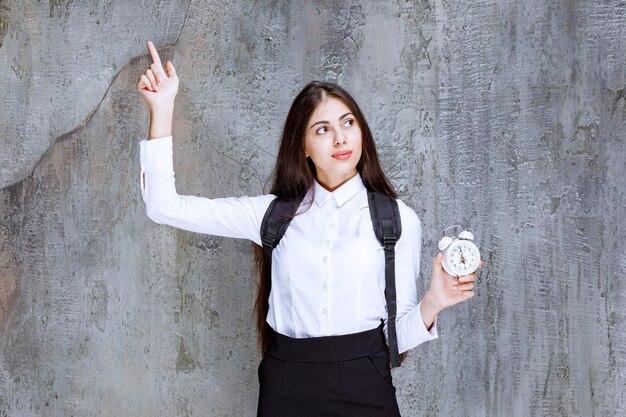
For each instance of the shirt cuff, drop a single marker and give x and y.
(414, 331)
(155, 155)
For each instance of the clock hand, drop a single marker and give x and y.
(462, 257)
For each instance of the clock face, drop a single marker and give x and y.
(463, 257)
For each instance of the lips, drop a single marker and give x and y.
(342, 155)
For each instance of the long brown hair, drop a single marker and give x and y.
(294, 174)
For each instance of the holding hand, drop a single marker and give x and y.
(447, 290)
(155, 86)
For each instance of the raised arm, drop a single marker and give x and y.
(230, 217)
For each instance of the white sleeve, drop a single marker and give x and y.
(410, 327)
(230, 217)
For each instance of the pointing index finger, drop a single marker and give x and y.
(155, 55)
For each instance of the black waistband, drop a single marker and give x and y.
(326, 348)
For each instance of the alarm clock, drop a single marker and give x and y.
(460, 255)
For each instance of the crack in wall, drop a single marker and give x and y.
(182, 27)
(223, 154)
(87, 118)
(54, 6)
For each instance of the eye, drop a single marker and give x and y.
(348, 122)
(319, 131)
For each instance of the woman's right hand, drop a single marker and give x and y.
(155, 86)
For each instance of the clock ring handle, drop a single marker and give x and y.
(451, 227)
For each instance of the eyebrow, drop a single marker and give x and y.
(325, 121)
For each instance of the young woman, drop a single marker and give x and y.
(321, 305)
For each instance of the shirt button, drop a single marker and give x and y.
(328, 242)
(324, 311)
(324, 285)
(324, 259)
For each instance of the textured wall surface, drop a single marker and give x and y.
(506, 116)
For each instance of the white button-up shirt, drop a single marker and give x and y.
(328, 271)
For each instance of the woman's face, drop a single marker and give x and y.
(333, 142)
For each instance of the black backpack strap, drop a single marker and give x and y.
(275, 223)
(388, 228)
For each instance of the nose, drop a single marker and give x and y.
(340, 139)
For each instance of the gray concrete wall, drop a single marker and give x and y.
(506, 116)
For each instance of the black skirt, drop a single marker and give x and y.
(333, 376)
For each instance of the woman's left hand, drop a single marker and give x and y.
(447, 290)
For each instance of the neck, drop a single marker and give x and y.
(333, 185)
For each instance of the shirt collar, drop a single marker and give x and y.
(341, 194)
